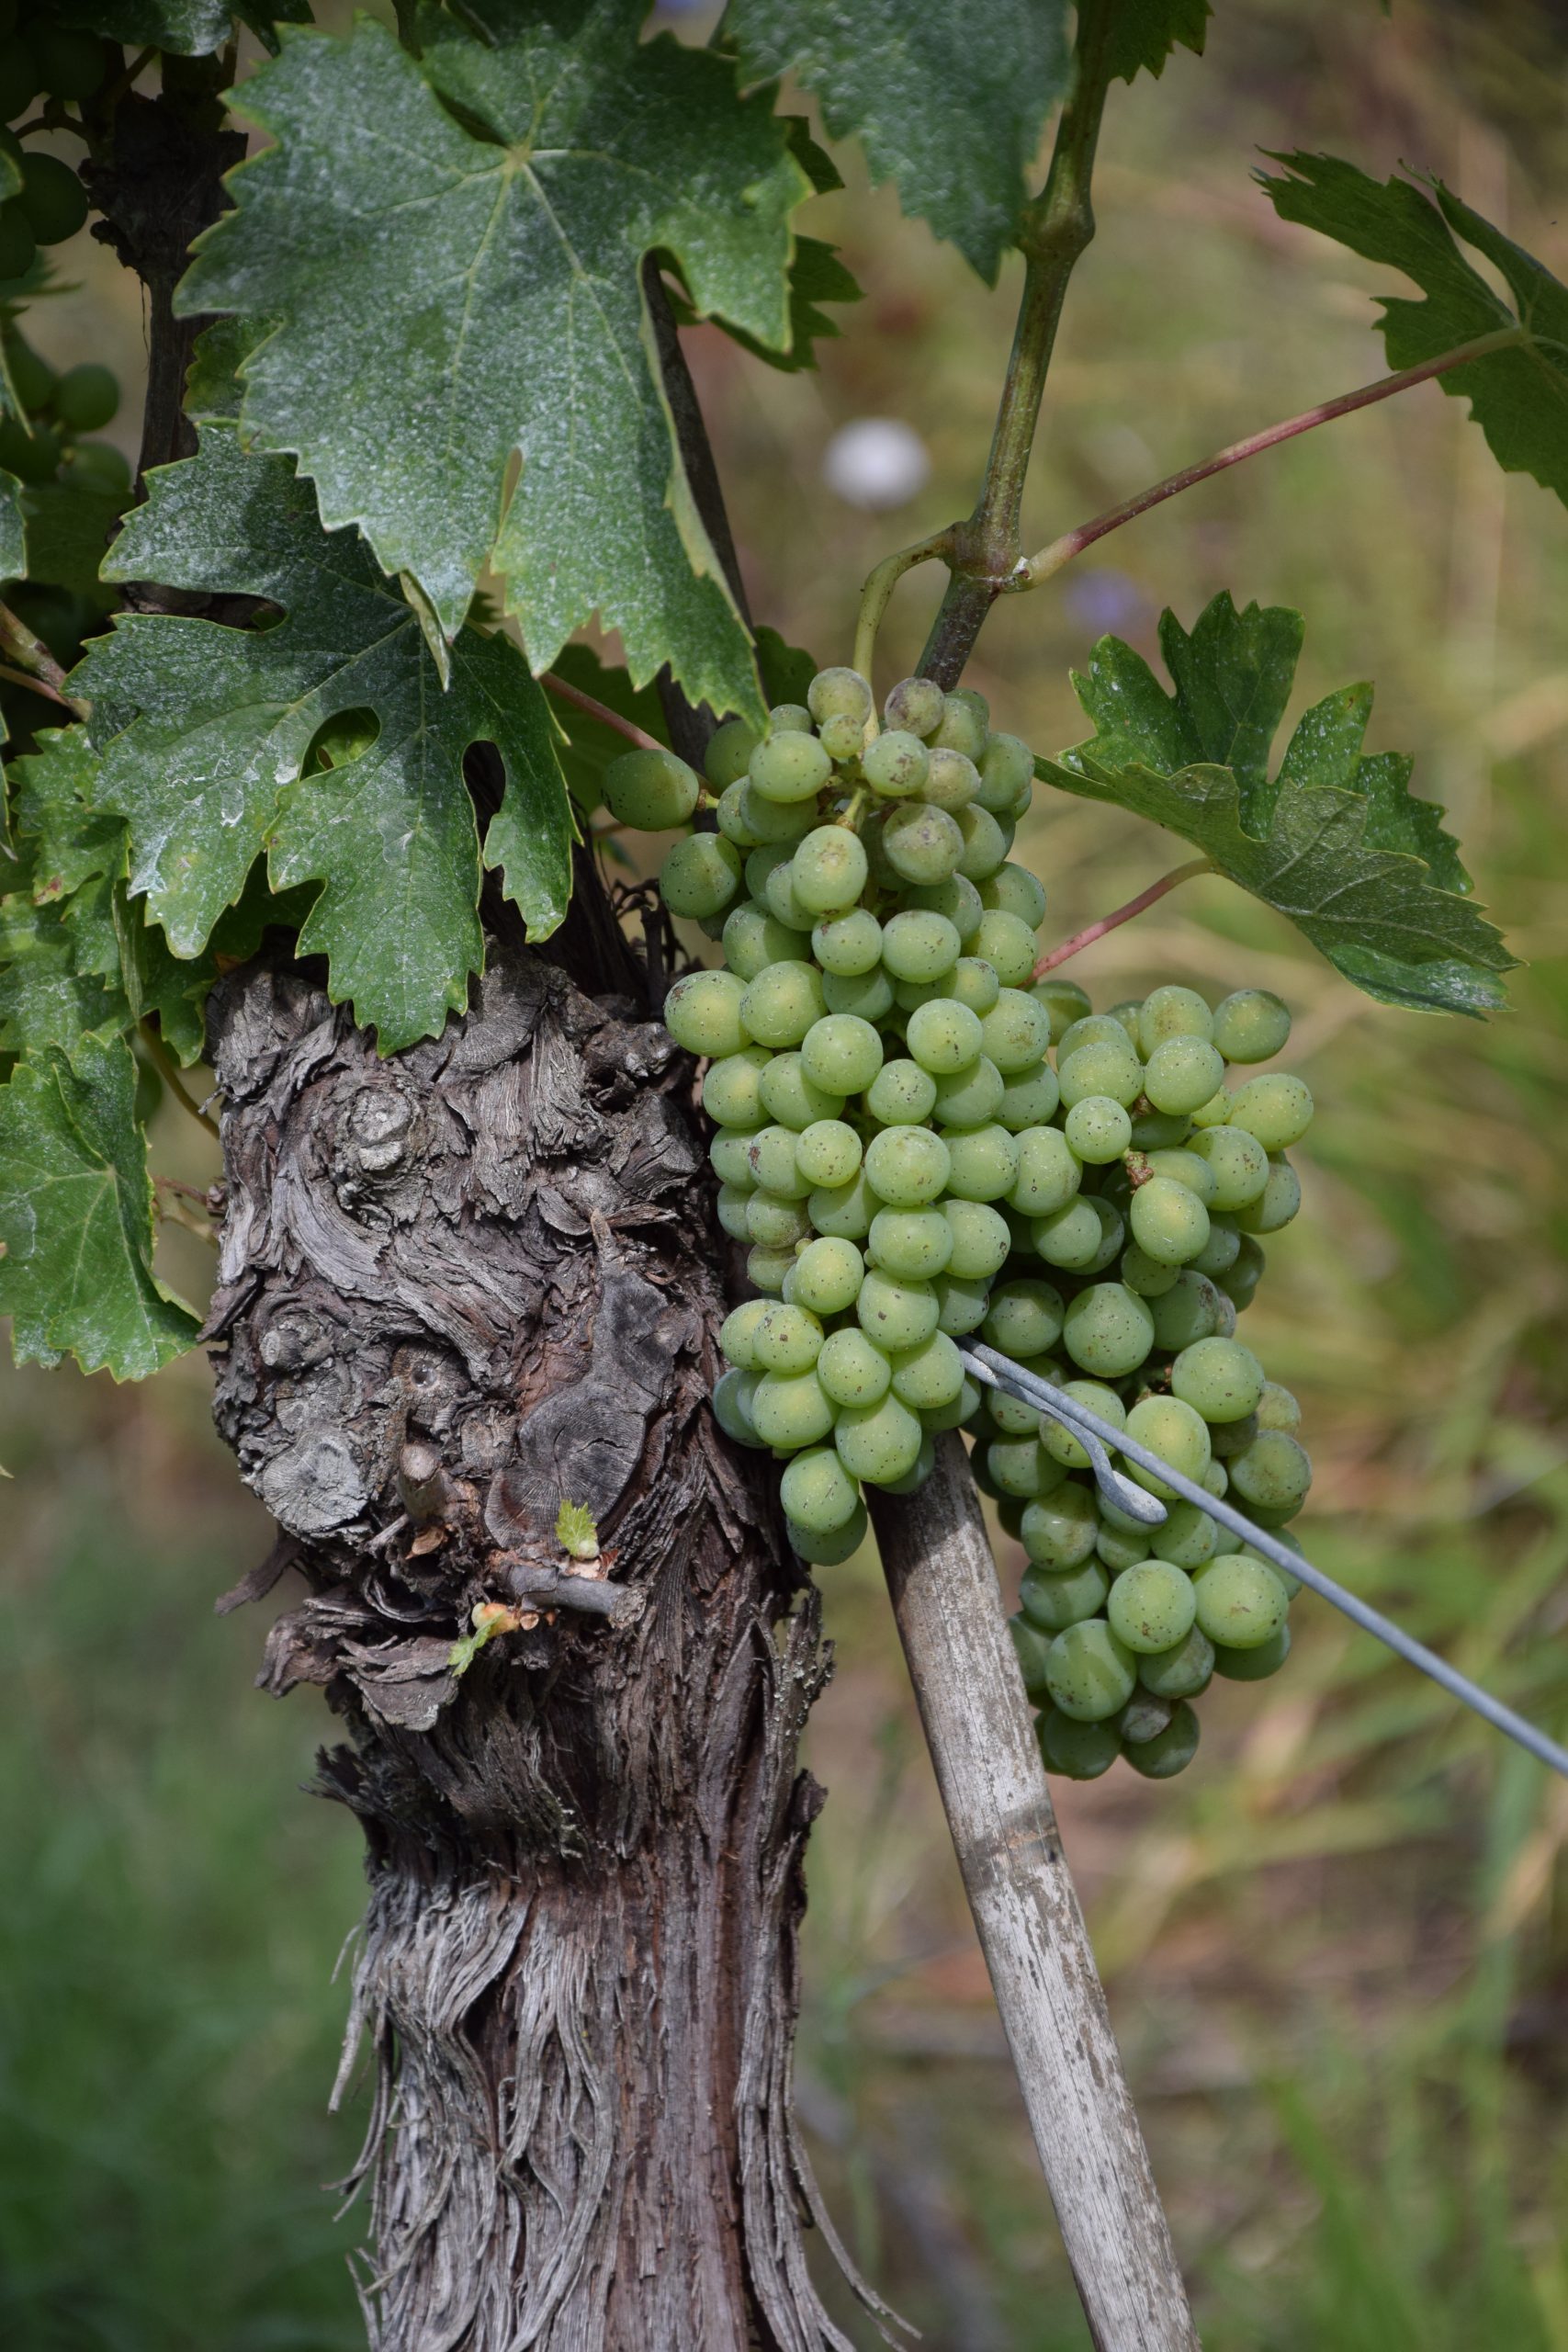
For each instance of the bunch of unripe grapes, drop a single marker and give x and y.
(919, 1141)
(44, 444)
(47, 64)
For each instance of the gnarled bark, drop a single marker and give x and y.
(457, 1288)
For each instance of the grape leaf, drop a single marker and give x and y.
(77, 1218)
(1335, 840)
(467, 294)
(13, 530)
(183, 28)
(1141, 34)
(210, 771)
(1518, 397)
(69, 525)
(816, 273)
(948, 102)
(46, 996)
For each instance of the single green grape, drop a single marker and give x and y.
(1089, 1674)
(908, 1481)
(704, 1011)
(792, 1409)
(1059, 1530)
(1218, 1378)
(841, 1053)
(829, 870)
(1239, 1283)
(778, 892)
(732, 1094)
(880, 1441)
(828, 1152)
(1158, 1130)
(907, 1166)
(1169, 1751)
(753, 938)
(1065, 1003)
(729, 753)
(1028, 1098)
(1276, 1204)
(1257, 1664)
(894, 765)
(1276, 1108)
(1181, 1074)
(776, 1221)
(767, 1269)
(1241, 1603)
(1237, 1162)
(1006, 765)
(1273, 1473)
(841, 738)
(1118, 1548)
(1059, 1441)
(983, 1163)
(1097, 1129)
(963, 723)
(827, 1550)
(848, 945)
(845, 1210)
(1076, 1751)
(1189, 1310)
(1182, 1167)
(957, 899)
(1069, 1236)
(771, 1157)
(1213, 1113)
(789, 766)
(1251, 1026)
(1030, 1647)
(1168, 1222)
(915, 707)
(1152, 1607)
(897, 1314)
(962, 1302)
(1222, 1248)
(791, 1097)
(1173, 1431)
(868, 995)
(1100, 1066)
(1173, 1012)
(1143, 1718)
(922, 844)
(52, 199)
(778, 1007)
(1017, 1466)
(1108, 1330)
(943, 1036)
(652, 790)
(1182, 1671)
(1292, 1584)
(817, 1492)
(732, 1394)
(738, 1333)
(919, 947)
(1048, 1175)
(973, 982)
(1092, 1029)
(981, 1241)
(1009, 1415)
(828, 1275)
(1024, 1319)
(986, 845)
(776, 823)
(1016, 1032)
(731, 1210)
(839, 694)
(1006, 943)
(852, 1369)
(969, 1098)
(952, 781)
(1188, 1536)
(912, 1244)
(1277, 1408)
(1146, 1275)
(901, 1094)
(930, 1376)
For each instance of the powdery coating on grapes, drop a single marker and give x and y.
(918, 1142)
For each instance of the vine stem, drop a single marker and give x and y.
(34, 685)
(874, 601)
(601, 711)
(168, 1070)
(1061, 551)
(1093, 930)
(32, 655)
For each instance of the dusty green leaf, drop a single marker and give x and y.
(1518, 397)
(470, 287)
(1335, 840)
(184, 28)
(1144, 32)
(948, 102)
(77, 1218)
(69, 527)
(214, 767)
(48, 995)
(13, 530)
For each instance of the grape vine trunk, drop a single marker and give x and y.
(455, 1286)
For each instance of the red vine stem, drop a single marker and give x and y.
(34, 685)
(31, 654)
(1062, 551)
(601, 711)
(1092, 931)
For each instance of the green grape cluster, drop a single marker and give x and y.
(49, 66)
(918, 1141)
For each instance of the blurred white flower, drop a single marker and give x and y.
(877, 463)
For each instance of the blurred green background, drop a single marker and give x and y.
(1338, 1949)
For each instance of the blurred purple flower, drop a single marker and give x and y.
(1099, 600)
